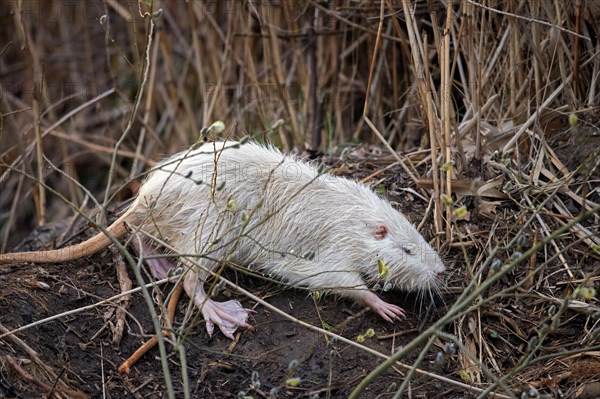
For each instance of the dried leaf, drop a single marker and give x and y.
(487, 207)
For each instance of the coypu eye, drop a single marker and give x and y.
(407, 250)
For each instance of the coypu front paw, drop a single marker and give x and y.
(388, 311)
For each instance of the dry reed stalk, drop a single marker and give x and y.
(474, 76)
(39, 93)
(446, 105)
(278, 69)
(419, 60)
(374, 58)
(316, 113)
(138, 98)
(135, 170)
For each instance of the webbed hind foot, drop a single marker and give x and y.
(229, 315)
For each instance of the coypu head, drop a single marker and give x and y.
(400, 256)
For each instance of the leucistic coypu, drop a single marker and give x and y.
(250, 204)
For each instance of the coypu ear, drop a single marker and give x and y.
(380, 232)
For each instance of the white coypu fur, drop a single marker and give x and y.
(277, 214)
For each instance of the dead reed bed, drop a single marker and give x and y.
(490, 108)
